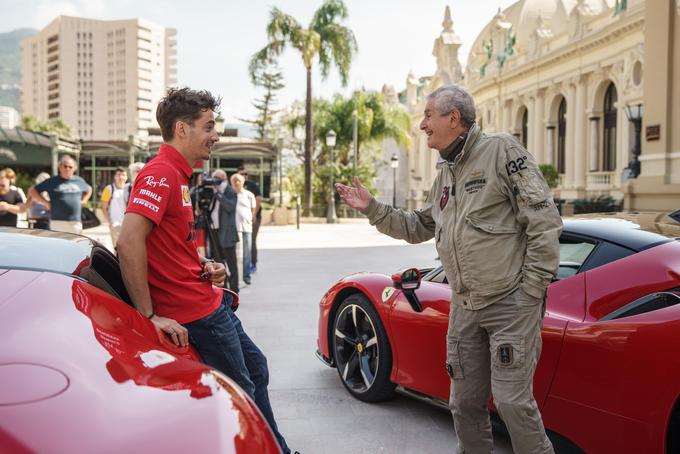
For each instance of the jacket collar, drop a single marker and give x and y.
(169, 153)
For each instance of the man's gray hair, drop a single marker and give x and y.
(219, 173)
(453, 97)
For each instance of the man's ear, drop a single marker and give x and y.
(180, 131)
(454, 119)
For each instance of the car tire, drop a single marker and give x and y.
(362, 350)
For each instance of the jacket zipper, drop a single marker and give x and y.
(459, 278)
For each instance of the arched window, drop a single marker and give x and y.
(609, 136)
(561, 135)
(525, 127)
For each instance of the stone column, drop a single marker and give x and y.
(594, 143)
(550, 144)
(580, 147)
(570, 142)
(537, 128)
(505, 109)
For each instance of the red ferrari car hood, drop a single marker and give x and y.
(82, 372)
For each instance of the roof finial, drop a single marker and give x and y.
(448, 23)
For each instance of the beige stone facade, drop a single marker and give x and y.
(558, 75)
(103, 78)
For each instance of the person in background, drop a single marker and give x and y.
(39, 214)
(245, 218)
(133, 170)
(114, 202)
(68, 193)
(223, 215)
(13, 181)
(253, 187)
(10, 202)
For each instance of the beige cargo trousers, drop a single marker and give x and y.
(494, 350)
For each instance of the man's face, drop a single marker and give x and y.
(120, 178)
(67, 168)
(441, 130)
(243, 173)
(4, 185)
(237, 184)
(201, 136)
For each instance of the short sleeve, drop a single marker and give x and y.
(44, 186)
(106, 194)
(152, 192)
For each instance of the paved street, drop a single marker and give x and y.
(280, 312)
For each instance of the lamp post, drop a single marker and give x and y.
(394, 163)
(330, 143)
(634, 114)
(279, 149)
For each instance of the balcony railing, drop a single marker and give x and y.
(601, 180)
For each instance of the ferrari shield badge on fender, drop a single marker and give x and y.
(387, 293)
(444, 199)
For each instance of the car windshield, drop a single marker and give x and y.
(43, 250)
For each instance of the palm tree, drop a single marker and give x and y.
(333, 44)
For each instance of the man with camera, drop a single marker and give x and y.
(223, 217)
(166, 278)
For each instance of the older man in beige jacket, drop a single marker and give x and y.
(497, 233)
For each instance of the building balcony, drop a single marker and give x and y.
(599, 181)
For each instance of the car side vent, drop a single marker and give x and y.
(648, 303)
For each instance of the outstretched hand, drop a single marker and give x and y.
(357, 197)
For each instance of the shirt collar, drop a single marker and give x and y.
(170, 153)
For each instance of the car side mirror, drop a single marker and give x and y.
(409, 281)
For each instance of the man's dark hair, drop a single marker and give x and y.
(242, 170)
(183, 104)
(120, 169)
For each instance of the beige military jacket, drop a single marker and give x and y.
(493, 218)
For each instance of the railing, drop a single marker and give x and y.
(600, 180)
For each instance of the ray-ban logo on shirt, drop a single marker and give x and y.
(151, 181)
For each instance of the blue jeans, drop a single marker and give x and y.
(220, 340)
(247, 246)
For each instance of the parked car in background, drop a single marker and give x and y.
(81, 371)
(607, 380)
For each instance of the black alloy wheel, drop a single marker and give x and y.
(361, 350)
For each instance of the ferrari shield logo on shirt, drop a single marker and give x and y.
(444, 199)
(387, 293)
(186, 197)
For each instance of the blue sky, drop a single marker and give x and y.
(217, 38)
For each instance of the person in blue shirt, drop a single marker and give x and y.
(68, 193)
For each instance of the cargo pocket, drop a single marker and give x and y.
(508, 358)
(454, 366)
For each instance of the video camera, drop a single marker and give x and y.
(205, 192)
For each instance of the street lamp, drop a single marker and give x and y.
(330, 143)
(394, 163)
(634, 114)
(219, 124)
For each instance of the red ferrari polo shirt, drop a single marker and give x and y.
(161, 194)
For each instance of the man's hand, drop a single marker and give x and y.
(4, 206)
(215, 272)
(357, 197)
(177, 333)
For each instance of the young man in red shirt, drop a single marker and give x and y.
(165, 276)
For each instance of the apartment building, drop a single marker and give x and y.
(103, 78)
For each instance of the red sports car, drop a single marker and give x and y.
(82, 372)
(608, 380)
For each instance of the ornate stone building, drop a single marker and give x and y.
(559, 74)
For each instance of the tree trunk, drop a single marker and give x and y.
(308, 146)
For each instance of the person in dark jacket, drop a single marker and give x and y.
(224, 209)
